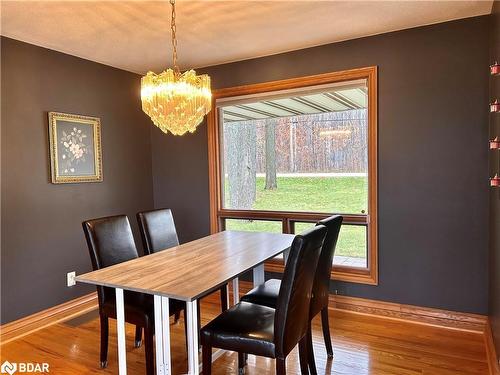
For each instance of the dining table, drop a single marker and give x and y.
(187, 273)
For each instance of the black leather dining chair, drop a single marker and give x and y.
(110, 241)
(157, 229)
(265, 331)
(267, 293)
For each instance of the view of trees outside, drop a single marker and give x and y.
(240, 163)
(316, 162)
(325, 154)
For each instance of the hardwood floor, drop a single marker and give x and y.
(363, 345)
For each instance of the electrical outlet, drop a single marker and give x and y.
(70, 277)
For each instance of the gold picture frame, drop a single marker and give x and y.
(75, 148)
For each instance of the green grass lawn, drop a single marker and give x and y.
(316, 194)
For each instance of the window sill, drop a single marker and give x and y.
(339, 273)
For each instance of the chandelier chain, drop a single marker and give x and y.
(173, 28)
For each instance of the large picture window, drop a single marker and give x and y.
(286, 154)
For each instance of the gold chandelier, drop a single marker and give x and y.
(175, 101)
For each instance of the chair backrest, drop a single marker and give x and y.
(157, 230)
(321, 285)
(292, 308)
(110, 241)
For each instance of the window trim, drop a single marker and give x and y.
(218, 214)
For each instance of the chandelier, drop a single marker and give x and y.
(176, 102)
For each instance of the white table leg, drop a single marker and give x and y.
(286, 253)
(192, 338)
(162, 333)
(228, 304)
(236, 290)
(120, 329)
(258, 275)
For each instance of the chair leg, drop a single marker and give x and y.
(304, 370)
(104, 340)
(138, 337)
(149, 350)
(310, 352)
(207, 359)
(326, 331)
(280, 366)
(241, 363)
(223, 298)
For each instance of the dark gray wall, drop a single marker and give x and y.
(495, 192)
(42, 238)
(181, 180)
(433, 163)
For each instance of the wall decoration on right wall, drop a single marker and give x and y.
(495, 180)
(495, 69)
(495, 106)
(495, 143)
(494, 110)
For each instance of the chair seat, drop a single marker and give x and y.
(265, 294)
(139, 307)
(245, 328)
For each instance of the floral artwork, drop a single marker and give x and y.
(75, 148)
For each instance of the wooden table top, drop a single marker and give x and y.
(187, 272)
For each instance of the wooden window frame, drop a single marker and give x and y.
(218, 215)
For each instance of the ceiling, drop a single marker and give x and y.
(135, 35)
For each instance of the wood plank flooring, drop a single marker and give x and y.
(363, 345)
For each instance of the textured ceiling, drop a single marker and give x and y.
(135, 36)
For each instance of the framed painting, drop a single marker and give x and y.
(75, 148)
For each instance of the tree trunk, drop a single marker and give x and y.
(271, 154)
(241, 164)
